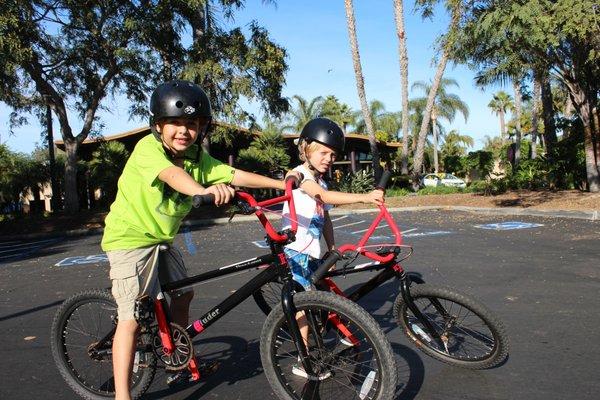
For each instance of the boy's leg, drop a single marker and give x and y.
(180, 308)
(173, 269)
(123, 355)
(132, 273)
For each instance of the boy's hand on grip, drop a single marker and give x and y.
(223, 193)
(376, 197)
(296, 174)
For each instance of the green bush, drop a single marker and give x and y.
(399, 181)
(530, 174)
(488, 187)
(481, 162)
(106, 166)
(266, 155)
(360, 182)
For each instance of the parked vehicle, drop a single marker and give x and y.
(442, 179)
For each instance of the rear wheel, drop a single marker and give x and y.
(80, 323)
(268, 296)
(470, 335)
(349, 353)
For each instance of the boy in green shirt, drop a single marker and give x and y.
(155, 189)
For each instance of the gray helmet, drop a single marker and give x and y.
(178, 99)
(324, 131)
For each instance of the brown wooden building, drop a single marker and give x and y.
(357, 151)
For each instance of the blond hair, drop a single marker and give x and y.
(305, 149)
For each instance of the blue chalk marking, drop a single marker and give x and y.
(189, 242)
(509, 225)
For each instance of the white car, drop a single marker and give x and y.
(433, 180)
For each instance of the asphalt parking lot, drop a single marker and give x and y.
(540, 275)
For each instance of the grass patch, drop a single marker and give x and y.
(439, 190)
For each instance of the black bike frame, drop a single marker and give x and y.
(274, 269)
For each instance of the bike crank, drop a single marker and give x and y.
(183, 352)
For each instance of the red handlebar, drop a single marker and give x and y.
(290, 183)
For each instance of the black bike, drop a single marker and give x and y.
(347, 355)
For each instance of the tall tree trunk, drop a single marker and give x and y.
(517, 89)
(435, 140)
(55, 199)
(501, 115)
(583, 103)
(360, 86)
(550, 138)
(403, 57)
(537, 94)
(418, 159)
(71, 195)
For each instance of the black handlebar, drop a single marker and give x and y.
(383, 180)
(203, 199)
(333, 257)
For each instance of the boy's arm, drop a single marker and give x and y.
(328, 232)
(252, 180)
(314, 190)
(181, 181)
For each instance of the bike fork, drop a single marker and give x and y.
(290, 311)
(405, 292)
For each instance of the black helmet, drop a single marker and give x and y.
(178, 98)
(324, 131)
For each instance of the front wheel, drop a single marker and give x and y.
(81, 341)
(349, 353)
(467, 334)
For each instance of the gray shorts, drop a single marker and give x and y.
(136, 272)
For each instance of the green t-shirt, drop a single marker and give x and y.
(146, 210)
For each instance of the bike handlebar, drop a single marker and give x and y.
(199, 200)
(383, 180)
(291, 183)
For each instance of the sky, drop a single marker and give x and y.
(315, 36)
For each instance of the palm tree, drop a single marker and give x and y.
(267, 153)
(338, 112)
(360, 85)
(500, 104)
(304, 111)
(456, 144)
(403, 57)
(455, 8)
(445, 105)
(385, 124)
(518, 109)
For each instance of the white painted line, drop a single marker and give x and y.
(343, 226)
(338, 218)
(364, 230)
(427, 233)
(409, 230)
(28, 244)
(80, 260)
